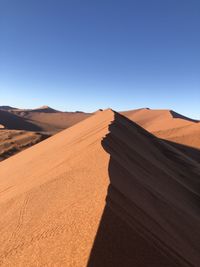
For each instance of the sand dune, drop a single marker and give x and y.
(102, 193)
(15, 122)
(45, 109)
(46, 119)
(51, 122)
(168, 125)
(7, 108)
(42, 122)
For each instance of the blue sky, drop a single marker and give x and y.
(85, 55)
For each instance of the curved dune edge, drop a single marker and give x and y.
(102, 193)
(168, 125)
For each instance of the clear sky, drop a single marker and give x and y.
(91, 54)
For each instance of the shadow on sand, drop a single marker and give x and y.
(15, 122)
(119, 242)
(189, 151)
(176, 115)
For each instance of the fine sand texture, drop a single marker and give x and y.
(103, 193)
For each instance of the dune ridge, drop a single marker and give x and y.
(104, 192)
(167, 124)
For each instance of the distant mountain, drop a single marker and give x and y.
(6, 108)
(45, 109)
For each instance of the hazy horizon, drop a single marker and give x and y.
(74, 55)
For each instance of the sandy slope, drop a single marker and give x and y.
(168, 124)
(42, 122)
(101, 193)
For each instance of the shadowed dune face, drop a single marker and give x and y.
(12, 121)
(179, 116)
(158, 120)
(117, 244)
(102, 193)
(49, 120)
(168, 125)
(42, 122)
(191, 152)
(129, 234)
(7, 108)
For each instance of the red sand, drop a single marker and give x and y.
(168, 125)
(43, 119)
(102, 193)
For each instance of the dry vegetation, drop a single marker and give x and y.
(14, 141)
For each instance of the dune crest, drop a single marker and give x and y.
(102, 193)
(168, 124)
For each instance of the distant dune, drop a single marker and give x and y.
(12, 121)
(103, 193)
(7, 108)
(45, 109)
(168, 125)
(46, 119)
(42, 122)
(54, 122)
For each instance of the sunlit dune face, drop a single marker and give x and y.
(104, 192)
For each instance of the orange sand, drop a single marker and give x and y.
(102, 193)
(168, 125)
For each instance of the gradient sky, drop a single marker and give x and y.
(85, 55)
